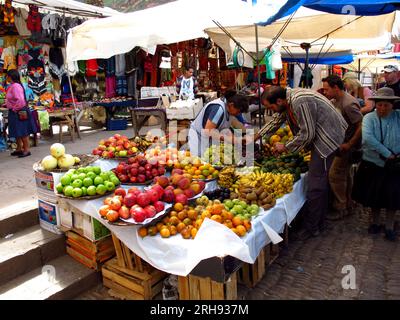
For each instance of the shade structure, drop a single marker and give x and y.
(373, 63)
(325, 32)
(341, 57)
(345, 7)
(71, 6)
(169, 23)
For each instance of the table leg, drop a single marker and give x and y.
(134, 123)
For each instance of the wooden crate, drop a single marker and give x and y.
(90, 253)
(251, 274)
(129, 277)
(199, 288)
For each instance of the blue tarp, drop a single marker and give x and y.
(324, 60)
(354, 7)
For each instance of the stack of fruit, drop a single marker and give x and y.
(218, 194)
(262, 188)
(292, 163)
(201, 171)
(171, 157)
(88, 181)
(138, 170)
(116, 146)
(227, 177)
(179, 187)
(58, 158)
(134, 204)
(241, 209)
(282, 135)
(188, 220)
(221, 155)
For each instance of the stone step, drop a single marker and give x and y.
(62, 278)
(27, 250)
(13, 220)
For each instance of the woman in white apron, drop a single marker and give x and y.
(214, 118)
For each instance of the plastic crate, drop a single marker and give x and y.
(117, 124)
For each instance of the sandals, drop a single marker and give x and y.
(24, 154)
(16, 153)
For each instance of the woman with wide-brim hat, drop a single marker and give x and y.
(374, 185)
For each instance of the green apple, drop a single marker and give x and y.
(247, 216)
(77, 192)
(59, 188)
(91, 191)
(123, 153)
(115, 181)
(91, 175)
(96, 170)
(65, 180)
(98, 180)
(84, 191)
(109, 185)
(89, 169)
(87, 182)
(81, 170)
(229, 204)
(82, 176)
(74, 177)
(71, 171)
(104, 176)
(238, 209)
(235, 201)
(101, 189)
(77, 183)
(243, 204)
(68, 191)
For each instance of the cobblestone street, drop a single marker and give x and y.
(313, 269)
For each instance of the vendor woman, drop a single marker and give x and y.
(212, 119)
(20, 122)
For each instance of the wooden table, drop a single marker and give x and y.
(69, 116)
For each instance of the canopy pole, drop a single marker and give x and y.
(258, 77)
(306, 46)
(359, 70)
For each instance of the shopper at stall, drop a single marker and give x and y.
(355, 88)
(186, 84)
(214, 118)
(316, 125)
(392, 80)
(20, 124)
(340, 174)
(377, 181)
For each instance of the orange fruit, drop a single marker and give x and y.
(217, 208)
(159, 225)
(241, 230)
(174, 221)
(247, 224)
(142, 232)
(152, 230)
(186, 233)
(187, 221)
(172, 230)
(206, 214)
(178, 207)
(217, 218)
(226, 215)
(173, 213)
(165, 220)
(228, 224)
(165, 233)
(192, 214)
(193, 232)
(180, 226)
(182, 215)
(237, 221)
(197, 173)
(198, 223)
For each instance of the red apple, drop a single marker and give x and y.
(115, 204)
(120, 168)
(189, 193)
(142, 170)
(127, 145)
(150, 211)
(168, 196)
(134, 172)
(131, 160)
(154, 172)
(117, 136)
(123, 178)
(153, 194)
(163, 181)
(141, 178)
(143, 200)
(148, 167)
(119, 148)
(159, 190)
(133, 179)
(112, 215)
(124, 212)
(133, 190)
(138, 214)
(159, 206)
(134, 164)
(170, 188)
(102, 142)
(120, 192)
(181, 198)
(149, 175)
(130, 200)
(161, 170)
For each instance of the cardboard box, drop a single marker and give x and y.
(44, 180)
(81, 223)
(47, 195)
(49, 216)
(189, 112)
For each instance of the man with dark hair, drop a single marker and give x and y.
(316, 125)
(186, 84)
(340, 175)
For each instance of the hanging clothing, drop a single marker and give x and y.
(110, 87)
(34, 21)
(82, 67)
(110, 67)
(36, 73)
(121, 86)
(56, 63)
(198, 141)
(8, 57)
(20, 22)
(120, 65)
(91, 68)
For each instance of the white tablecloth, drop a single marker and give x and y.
(178, 256)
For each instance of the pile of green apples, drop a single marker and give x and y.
(87, 181)
(242, 209)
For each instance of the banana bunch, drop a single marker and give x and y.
(306, 155)
(227, 177)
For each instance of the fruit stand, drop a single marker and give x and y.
(166, 222)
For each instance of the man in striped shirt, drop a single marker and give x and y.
(316, 126)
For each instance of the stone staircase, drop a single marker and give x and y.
(34, 264)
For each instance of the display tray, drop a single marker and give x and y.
(122, 158)
(146, 183)
(97, 196)
(131, 221)
(86, 159)
(206, 180)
